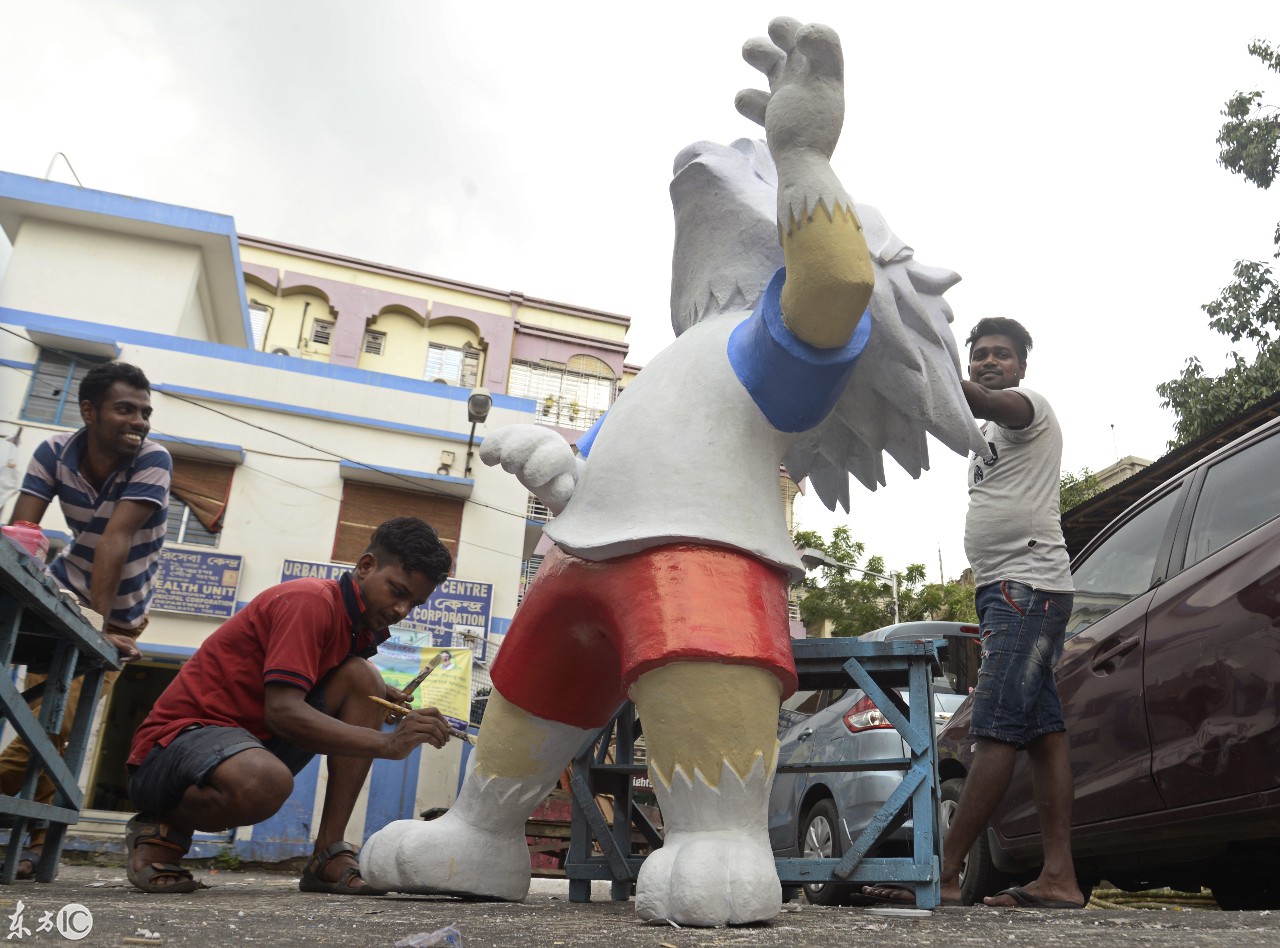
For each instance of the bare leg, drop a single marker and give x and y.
(346, 698)
(984, 788)
(1054, 794)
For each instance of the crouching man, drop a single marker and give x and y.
(286, 678)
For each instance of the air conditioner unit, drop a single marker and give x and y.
(286, 351)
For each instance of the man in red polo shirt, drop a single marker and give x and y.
(286, 678)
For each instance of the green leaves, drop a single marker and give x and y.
(1077, 488)
(1248, 308)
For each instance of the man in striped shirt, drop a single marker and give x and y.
(113, 487)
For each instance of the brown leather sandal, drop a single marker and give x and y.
(311, 881)
(146, 828)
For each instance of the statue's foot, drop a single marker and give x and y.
(719, 877)
(447, 856)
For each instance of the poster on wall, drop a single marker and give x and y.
(456, 615)
(448, 687)
(199, 584)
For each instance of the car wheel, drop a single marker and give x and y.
(820, 839)
(979, 877)
(1253, 892)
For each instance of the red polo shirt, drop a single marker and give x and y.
(293, 634)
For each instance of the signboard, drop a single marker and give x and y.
(199, 584)
(448, 687)
(455, 617)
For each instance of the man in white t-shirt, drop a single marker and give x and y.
(1013, 538)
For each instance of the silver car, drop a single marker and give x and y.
(818, 814)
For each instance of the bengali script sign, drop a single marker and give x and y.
(456, 615)
(201, 584)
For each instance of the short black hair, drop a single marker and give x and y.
(98, 381)
(1002, 326)
(415, 544)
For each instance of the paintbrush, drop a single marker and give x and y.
(427, 669)
(401, 709)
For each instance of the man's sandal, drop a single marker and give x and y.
(311, 881)
(145, 828)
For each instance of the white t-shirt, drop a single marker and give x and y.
(1014, 527)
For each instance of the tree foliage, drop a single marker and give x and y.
(1247, 309)
(1077, 488)
(854, 602)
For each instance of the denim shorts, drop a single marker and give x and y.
(1022, 631)
(157, 784)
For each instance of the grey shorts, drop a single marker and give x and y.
(158, 783)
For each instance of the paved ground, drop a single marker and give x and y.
(267, 908)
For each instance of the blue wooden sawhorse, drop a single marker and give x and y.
(44, 630)
(603, 849)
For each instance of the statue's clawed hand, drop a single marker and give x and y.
(803, 111)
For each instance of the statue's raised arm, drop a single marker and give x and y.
(829, 275)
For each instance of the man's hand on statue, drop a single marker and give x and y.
(424, 726)
(539, 458)
(125, 646)
(803, 111)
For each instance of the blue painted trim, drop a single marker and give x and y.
(195, 443)
(289, 832)
(69, 197)
(159, 650)
(216, 350)
(15, 364)
(282, 408)
(345, 467)
(795, 385)
(393, 784)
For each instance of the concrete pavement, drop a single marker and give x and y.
(263, 907)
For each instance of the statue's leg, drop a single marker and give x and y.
(711, 733)
(478, 848)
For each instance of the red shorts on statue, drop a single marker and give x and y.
(586, 631)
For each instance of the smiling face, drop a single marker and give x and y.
(119, 423)
(994, 363)
(390, 591)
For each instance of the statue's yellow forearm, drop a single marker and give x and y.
(829, 277)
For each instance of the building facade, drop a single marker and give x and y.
(305, 398)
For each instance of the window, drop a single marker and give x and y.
(574, 395)
(1240, 492)
(197, 501)
(528, 570)
(1121, 568)
(54, 393)
(536, 510)
(452, 366)
(259, 317)
(365, 506)
(374, 341)
(185, 527)
(321, 331)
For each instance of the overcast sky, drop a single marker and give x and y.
(1060, 157)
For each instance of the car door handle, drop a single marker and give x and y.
(1116, 651)
(805, 734)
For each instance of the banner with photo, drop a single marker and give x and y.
(448, 687)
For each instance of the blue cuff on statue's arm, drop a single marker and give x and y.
(584, 443)
(794, 384)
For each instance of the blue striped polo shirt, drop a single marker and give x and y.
(55, 472)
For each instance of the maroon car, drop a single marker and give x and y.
(1170, 684)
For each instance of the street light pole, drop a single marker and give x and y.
(813, 558)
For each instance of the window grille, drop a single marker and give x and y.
(537, 510)
(259, 316)
(528, 570)
(54, 393)
(183, 526)
(452, 366)
(374, 342)
(321, 331)
(570, 396)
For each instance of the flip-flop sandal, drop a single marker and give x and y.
(311, 881)
(1024, 899)
(28, 856)
(145, 828)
